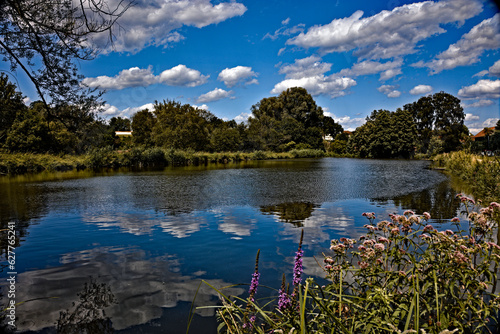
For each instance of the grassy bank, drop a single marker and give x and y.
(481, 173)
(19, 163)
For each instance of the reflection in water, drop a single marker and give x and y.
(142, 287)
(439, 201)
(87, 314)
(124, 228)
(294, 213)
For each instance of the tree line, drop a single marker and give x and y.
(291, 120)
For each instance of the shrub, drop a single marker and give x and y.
(403, 275)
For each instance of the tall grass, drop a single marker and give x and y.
(403, 276)
(481, 173)
(107, 157)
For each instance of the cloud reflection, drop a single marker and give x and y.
(142, 287)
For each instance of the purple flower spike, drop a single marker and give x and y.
(253, 285)
(283, 301)
(298, 269)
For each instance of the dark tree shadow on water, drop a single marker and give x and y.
(294, 213)
(87, 315)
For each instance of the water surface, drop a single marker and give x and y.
(146, 239)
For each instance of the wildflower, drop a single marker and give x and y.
(371, 228)
(340, 248)
(383, 240)
(427, 215)
(495, 205)
(329, 260)
(368, 243)
(402, 273)
(408, 213)
(414, 219)
(254, 284)
(379, 261)
(428, 228)
(395, 231)
(250, 323)
(284, 300)
(382, 224)
(459, 257)
(362, 265)
(425, 236)
(449, 232)
(297, 269)
(455, 220)
(379, 247)
(465, 199)
(362, 248)
(369, 215)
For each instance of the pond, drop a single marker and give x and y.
(138, 243)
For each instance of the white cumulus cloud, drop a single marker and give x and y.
(308, 73)
(421, 89)
(390, 90)
(179, 75)
(317, 85)
(389, 33)
(113, 111)
(495, 69)
(484, 36)
(348, 123)
(154, 22)
(306, 67)
(387, 70)
(478, 104)
(483, 89)
(214, 95)
(238, 74)
(243, 117)
(132, 77)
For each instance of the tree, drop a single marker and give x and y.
(330, 127)
(385, 135)
(293, 116)
(120, 124)
(142, 127)
(181, 126)
(45, 38)
(11, 103)
(439, 114)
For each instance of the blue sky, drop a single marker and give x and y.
(352, 56)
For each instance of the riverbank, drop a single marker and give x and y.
(20, 163)
(481, 173)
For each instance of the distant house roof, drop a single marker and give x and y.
(348, 132)
(482, 133)
(123, 133)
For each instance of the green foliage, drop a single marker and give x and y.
(293, 116)
(142, 127)
(439, 114)
(28, 133)
(436, 146)
(481, 173)
(11, 104)
(403, 276)
(120, 124)
(385, 135)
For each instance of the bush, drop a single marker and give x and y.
(403, 275)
